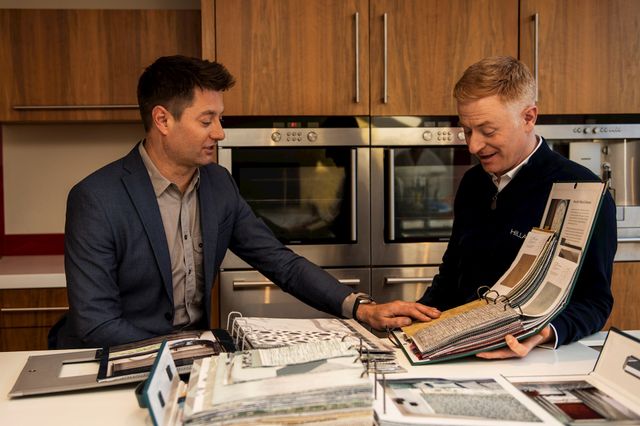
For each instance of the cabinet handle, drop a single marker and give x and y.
(352, 282)
(391, 202)
(400, 280)
(385, 96)
(53, 107)
(629, 239)
(536, 49)
(357, 23)
(48, 309)
(354, 195)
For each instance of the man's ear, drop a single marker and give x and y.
(161, 118)
(530, 115)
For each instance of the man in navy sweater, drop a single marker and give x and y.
(503, 197)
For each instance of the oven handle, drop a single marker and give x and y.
(629, 239)
(391, 195)
(407, 280)
(352, 282)
(354, 195)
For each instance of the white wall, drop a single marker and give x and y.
(41, 162)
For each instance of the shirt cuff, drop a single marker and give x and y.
(548, 345)
(348, 302)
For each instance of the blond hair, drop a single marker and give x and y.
(504, 76)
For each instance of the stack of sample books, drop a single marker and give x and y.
(310, 383)
(532, 292)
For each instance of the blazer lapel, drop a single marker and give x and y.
(140, 190)
(209, 226)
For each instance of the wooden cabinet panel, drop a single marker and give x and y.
(589, 54)
(625, 286)
(429, 44)
(294, 58)
(26, 315)
(77, 59)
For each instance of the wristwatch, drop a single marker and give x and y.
(361, 299)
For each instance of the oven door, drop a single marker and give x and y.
(313, 198)
(412, 214)
(250, 293)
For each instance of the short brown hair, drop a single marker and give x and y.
(170, 81)
(504, 76)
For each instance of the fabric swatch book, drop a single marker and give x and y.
(534, 289)
(317, 382)
(263, 333)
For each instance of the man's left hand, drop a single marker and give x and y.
(395, 314)
(517, 349)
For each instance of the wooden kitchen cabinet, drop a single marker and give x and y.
(588, 54)
(300, 58)
(26, 315)
(294, 58)
(61, 65)
(429, 44)
(625, 285)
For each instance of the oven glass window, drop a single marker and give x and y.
(303, 195)
(423, 187)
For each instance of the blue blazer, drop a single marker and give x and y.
(117, 262)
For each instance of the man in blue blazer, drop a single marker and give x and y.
(145, 235)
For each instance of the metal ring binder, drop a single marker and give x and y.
(482, 296)
(232, 315)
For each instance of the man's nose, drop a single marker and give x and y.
(475, 142)
(217, 132)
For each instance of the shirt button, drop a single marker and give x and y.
(200, 245)
(185, 237)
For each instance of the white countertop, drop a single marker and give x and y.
(32, 272)
(118, 406)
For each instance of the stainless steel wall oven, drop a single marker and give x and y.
(610, 147)
(416, 166)
(308, 180)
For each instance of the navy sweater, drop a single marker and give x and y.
(484, 242)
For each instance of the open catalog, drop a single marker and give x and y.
(534, 290)
(606, 396)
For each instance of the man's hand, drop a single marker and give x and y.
(394, 314)
(517, 349)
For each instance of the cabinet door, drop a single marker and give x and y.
(427, 44)
(26, 315)
(588, 54)
(85, 64)
(293, 57)
(626, 296)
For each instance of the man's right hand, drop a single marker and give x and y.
(394, 314)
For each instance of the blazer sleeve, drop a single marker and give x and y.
(254, 242)
(91, 268)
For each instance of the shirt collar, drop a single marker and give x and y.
(502, 181)
(158, 181)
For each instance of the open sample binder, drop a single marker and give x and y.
(532, 292)
(264, 333)
(606, 396)
(317, 382)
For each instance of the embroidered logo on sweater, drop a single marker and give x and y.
(516, 233)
